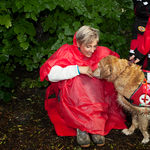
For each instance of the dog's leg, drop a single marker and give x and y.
(133, 126)
(143, 126)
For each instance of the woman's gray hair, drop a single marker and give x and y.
(85, 35)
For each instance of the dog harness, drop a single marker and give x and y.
(141, 96)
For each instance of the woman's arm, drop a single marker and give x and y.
(58, 73)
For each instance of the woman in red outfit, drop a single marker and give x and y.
(83, 104)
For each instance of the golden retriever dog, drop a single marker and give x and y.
(126, 78)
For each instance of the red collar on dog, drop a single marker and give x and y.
(141, 96)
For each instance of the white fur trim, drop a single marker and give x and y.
(148, 55)
(145, 3)
(132, 51)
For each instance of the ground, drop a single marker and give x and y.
(25, 125)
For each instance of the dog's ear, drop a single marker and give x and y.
(105, 67)
(105, 72)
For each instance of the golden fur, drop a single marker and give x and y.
(126, 79)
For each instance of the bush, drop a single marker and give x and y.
(32, 30)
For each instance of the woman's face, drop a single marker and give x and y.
(88, 50)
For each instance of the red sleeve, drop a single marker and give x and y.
(55, 59)
(144, 46)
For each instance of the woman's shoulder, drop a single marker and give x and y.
(65, 47)
(64, 51)
(102, 50)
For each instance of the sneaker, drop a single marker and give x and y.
(83, 138)
(98, 139)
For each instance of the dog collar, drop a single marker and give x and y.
(141, 96)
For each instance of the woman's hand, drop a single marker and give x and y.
(132, 57)
(86, 70)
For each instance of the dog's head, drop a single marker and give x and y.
(110, 67)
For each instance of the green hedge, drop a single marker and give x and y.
(31, 30)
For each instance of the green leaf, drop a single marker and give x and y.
(19, 4)
(4, 57)
(24, 45)
(33, 52)
(50, 5)
(17, 51)
(69, 20)
(44, 83)
(69, 39)
(90, 2)
(27, 61)
(95, 14)
(28, 15)
(76, 25)
(6, 81)
(37, 57)
(65, 25)
(33, 39)
(29, 68)
(98, 20)
(47, 23)
(33, 16)
(19, 29)
(5, 20)
(30, 30)
(42, 61)
(34, 2)
(61, 36)
(28, 8)
(68, 31)
(56, 45)
(5, 41)
(37, 9)
(14, 8)
(2, 4)
(35, 65)
(22, 38)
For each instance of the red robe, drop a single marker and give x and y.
(85, 103)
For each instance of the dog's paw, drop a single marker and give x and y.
(144, 141)
(126, 132)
